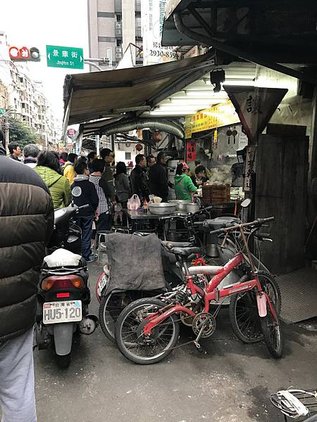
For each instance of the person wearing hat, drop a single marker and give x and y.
(184, 186)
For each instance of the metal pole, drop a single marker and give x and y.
(92, 64)
(6, 132)
(97, 144)
(313, 148)
(79, 143)
(112, 138)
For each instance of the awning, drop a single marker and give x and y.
(96, 95)
(268, 33)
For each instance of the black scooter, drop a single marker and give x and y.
(64, 293)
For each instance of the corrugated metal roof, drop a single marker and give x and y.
(90, 96)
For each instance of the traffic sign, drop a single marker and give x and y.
(71, 133)
(2, 111)
(66, 57)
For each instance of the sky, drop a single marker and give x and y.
(37, 23)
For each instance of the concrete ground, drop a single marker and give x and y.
(232, 383)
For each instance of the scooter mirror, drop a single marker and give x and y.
(246, 203)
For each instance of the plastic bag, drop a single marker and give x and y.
(134, 202)
(155, 199)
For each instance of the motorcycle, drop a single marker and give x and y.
(64, 293)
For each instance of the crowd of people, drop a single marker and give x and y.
(31, 189)
(104, 187)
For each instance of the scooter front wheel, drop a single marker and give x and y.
(140, 348)
(63, 362)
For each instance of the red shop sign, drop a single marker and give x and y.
(190, 151)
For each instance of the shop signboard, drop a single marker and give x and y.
(71, 133)
(211, 118)
(255, 106)
(152, 12)
(190, 151)
(249, 168)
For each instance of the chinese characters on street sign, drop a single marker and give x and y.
(66, 57)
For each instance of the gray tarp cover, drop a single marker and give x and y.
(135, 262)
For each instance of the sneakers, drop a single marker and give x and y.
(93, 257)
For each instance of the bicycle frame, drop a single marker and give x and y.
(212, 293)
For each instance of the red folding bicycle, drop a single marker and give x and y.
(147, 330)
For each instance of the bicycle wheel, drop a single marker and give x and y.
(272, 332)
(110, 308)
(131, 341)
(243, 310)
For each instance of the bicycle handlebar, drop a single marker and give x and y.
(257, 222)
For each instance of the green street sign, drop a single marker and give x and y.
(66, 57)
(2, 111)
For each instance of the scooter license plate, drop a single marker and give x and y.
(64, 311)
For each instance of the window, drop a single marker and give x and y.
(127, 155)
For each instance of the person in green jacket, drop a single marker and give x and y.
(48, 169)
(184, 186)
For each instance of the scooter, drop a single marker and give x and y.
(64, 294)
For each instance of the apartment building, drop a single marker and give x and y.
(113, 26)
(24, 99)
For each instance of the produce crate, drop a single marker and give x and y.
(216, 194)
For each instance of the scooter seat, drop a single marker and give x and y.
(63, 258)
(169, 245)
(185, 251)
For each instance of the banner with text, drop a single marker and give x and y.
(211, 118)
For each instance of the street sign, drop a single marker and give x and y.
(254, 106)
(66, 57)
(2, 111)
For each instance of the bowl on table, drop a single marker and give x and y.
(192, 207)
(180, 204)
(164, 208)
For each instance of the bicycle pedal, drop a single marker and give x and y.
(200, 348)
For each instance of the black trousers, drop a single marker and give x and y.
(85, 223)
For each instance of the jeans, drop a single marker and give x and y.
(17, 396)
(85, 223)
(104, 222)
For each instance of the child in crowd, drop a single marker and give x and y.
(84, 193)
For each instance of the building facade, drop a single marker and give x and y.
(114, 26)
(22, 98)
